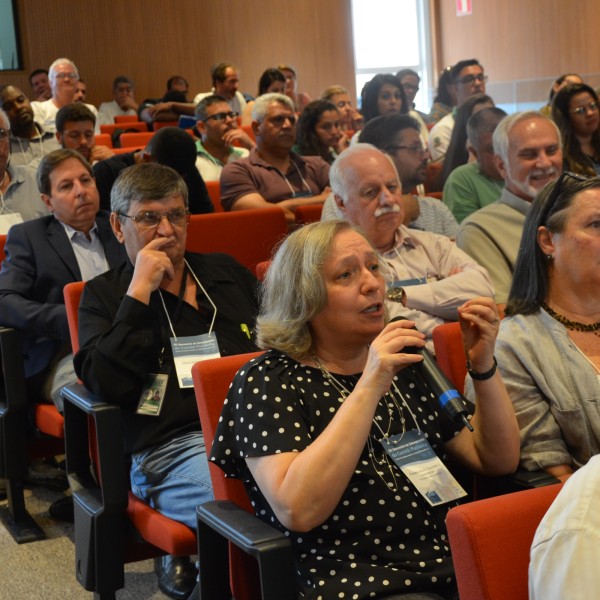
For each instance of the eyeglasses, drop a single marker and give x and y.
(149, 219)
(221, 116)
(469, 79)
(556, 191)
(420, 150)
(4, 134)
(66, 76)
(580, 111)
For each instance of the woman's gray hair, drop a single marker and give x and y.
(262, 103)
(145, 182)
(294, 291)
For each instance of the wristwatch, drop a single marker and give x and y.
(396, 294)
(482, 376)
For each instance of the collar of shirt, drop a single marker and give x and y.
(256, 159)
(515, 202)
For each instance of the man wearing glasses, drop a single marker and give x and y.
(272, 173)
(468, 79)
(142, 326)
(217, 130)
(63, 76)
(528, 155)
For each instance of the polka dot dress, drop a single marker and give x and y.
(382, 538)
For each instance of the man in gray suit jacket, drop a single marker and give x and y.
(75, 243)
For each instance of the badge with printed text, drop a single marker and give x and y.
(153, 394)
(188, 350)
(413, 454)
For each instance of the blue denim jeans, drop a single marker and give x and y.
(173, 477)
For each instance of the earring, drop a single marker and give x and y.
(549, 257)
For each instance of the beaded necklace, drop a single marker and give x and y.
(572, 325)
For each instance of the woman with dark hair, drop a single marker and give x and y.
(383, 95)
(445, 99)
(576, 111)
(272, 81)
(559, 83)
(548, 348)
(319, 132)
(457, 153)
(312, 426)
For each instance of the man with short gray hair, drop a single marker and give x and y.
(427, 277)
(475, 185)
(273, 174)
(63, 75)
(528, 155)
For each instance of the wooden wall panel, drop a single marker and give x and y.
(524, 40)
(151, 40)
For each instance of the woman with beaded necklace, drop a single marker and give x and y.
(548, 348)
(313, 425)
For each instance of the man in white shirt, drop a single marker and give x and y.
(468, 79)
(123, 102)
(63, 81)
(226, 82)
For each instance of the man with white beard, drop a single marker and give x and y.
(528, 155)
(427, 277)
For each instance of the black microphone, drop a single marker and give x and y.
(449, 398)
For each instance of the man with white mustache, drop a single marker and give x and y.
(427, 277)
(528, 155)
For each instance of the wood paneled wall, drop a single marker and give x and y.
(527, 41)
(150, 40)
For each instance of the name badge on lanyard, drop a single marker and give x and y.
(188, 350)
(415, 457)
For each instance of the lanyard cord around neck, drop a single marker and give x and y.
(212, 323)
(304, 182)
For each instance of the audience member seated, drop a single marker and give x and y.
(479, 183)
(40, 84)
(18, 186)
(398, 136)
(75, 243)
(458, 152)
(319, 131)
(226, 82)
(272, 81)
(468, 79)
(63, 82)
(217, 128)
(310, 426)
(576, 111)
(299, 99)
(350, 119)
(123, 102)
(382, 95)
(559, 83)
(81, 92)
(273, 173)
(29, 142)
(565, 550)
(445, 99)
(427, 277)
(548, 348)
(410, 80)
(133, 321)
(170, 146)
(528, 156)
(177, 89)
(75, 125)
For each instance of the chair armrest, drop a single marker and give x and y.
(98, 475)
(487, 487)
(220, 521)
(13, 406)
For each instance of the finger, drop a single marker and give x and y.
(159, 242)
